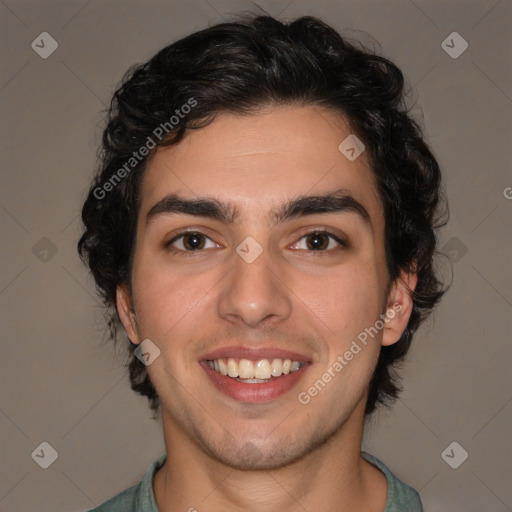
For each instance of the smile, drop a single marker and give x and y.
(254, 381)
(244, 370)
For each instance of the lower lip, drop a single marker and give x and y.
(254, 393)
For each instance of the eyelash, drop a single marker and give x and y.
(181, 234)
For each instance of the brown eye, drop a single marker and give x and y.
(317, 241)
(191, 241)
(320, 241)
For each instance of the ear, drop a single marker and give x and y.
(399, 307)
(126, 312)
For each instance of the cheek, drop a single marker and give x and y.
(347, 301)
(164, 298)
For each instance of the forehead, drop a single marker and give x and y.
(261, 160)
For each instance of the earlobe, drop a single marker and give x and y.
(126, 313)
(399, 307)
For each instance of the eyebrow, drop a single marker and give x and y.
(338, 201)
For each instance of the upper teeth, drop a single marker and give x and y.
(247, 369)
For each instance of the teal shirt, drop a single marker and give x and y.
(140, 497)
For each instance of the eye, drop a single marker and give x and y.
(190, 241)
(319, 241)
(195, 241)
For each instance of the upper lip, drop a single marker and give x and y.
(253, 353)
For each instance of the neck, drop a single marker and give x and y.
(333, 475)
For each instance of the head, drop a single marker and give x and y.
(251, 114)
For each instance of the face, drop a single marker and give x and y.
(259, 271)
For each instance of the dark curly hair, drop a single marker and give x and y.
(240, 67)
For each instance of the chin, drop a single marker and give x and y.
(258, 456)
(250, 458)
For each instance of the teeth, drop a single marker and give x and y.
(245, 369)
(277, 367)
(252, 381)
(223, 369)
(254, 371)
(294, 366)
(262, 370)
(232, 368)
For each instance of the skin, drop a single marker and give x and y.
(281, 455)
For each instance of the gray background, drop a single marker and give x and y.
(61, 385)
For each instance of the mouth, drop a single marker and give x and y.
(255, 380)
(245, 370)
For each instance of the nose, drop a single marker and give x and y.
(254, 294)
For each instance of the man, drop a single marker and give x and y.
(263, 226)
